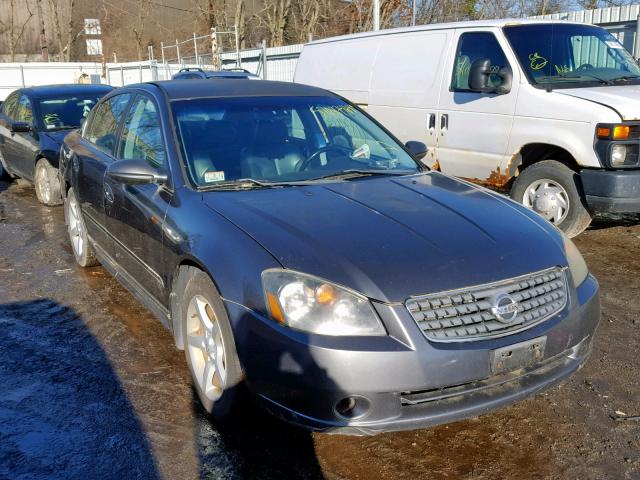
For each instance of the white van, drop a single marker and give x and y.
(548, 111)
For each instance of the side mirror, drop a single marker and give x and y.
(134, 172)
(479, 75)
(20, 127)
(418, 150)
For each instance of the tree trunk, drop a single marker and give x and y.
(43, 33)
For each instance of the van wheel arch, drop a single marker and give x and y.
(538, 152)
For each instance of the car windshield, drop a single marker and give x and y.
(66, 112)
(265, 140)
(568, 55)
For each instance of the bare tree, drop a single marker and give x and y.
(240, 21)
(62, 26)
(14, 30)
(139, 25)
(307, 17)
(274, 17)
(44, 47)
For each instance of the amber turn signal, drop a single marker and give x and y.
(603, 132)
(274, 308)
(621, 132)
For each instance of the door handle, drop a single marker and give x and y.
(431, 122)
(108, 193)
(444, 121)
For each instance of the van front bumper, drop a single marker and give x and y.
(611, 191)
(406, 382)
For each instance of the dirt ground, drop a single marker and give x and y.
(91, 386)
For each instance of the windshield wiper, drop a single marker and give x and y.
(355, 172)
(240, 184)
(626, 78)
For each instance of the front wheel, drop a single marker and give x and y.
(46, 183)
(82, 249)
(553, 190)
(209, 343)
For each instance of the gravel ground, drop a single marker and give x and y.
(91, 386)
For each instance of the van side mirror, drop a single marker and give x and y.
(479, 75)
(134, 172)
(418, 150)
(20, 127)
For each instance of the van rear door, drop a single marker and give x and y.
(406, 82)
(474, 128)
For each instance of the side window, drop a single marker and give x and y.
(141, 134)
(296, 127)
(9, 105)
(103, 127)
(24, 111)
(475, 46)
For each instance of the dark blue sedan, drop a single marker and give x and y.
(297, 250)
(33, 122)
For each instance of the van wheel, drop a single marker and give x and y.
(46, 183)
(209, 344)
(553, 190)
(82, 249)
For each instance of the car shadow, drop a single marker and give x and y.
(63, 412)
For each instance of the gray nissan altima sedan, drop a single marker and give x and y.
(294, 247)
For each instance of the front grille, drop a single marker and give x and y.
(466, 314)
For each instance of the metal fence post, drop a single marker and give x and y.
(22, 74)
(140, 72)
(162, 50)
(238, 57)
(108, 76)
(178, 51)
(121, 76)
(264, 59)
(195, 46)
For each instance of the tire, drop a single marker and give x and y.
(82, 249)
(554, 191)
(45, 181)
(209, 344)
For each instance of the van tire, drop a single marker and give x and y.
(577, 218)
(199, 299)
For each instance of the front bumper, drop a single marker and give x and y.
(611, 191)
(403, 381)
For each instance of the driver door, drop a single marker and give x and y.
(474, 128)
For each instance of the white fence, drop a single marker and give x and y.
(280, 64)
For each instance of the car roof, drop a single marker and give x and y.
(508, 22)
(65, 89)
(203, 88)
(229, 73)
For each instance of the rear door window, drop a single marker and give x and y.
(475, 46)
(102, 129)
(9, 105)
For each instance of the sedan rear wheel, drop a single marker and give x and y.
(47, 184)
(82, 249)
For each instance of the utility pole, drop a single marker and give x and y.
(43, 36)
(413, 13)
(376, 15)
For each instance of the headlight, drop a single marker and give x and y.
(577, 265)
(310, 304)
(618, 155)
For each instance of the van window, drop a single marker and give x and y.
(475, 46)
(570, 55)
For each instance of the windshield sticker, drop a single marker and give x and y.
(562, 69)
(362, 152)
(613, 44)
(213, 176)
(537, 62)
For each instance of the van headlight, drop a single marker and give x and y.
(307, 303)
(577, 265)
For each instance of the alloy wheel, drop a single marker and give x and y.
(42, 184)
(206, 348)
(76, 227)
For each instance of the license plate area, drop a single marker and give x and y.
(518, 355)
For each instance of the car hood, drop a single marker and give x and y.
(393, 237)
(55, 137)
(624, 99)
